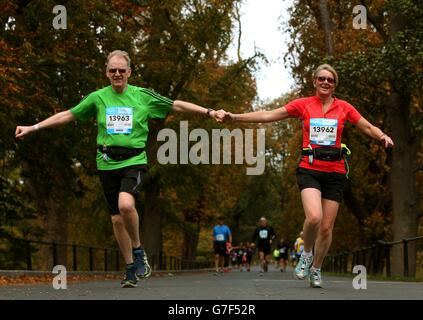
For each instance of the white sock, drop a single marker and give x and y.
(306, 254)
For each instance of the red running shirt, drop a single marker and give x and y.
(326, 128)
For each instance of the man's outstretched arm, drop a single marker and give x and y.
(188, 107)
(57, 119)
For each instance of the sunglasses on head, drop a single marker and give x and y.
(114, 70)
(323, 79)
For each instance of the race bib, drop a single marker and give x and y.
(282, 250)
(323, 131)
(263, 234)
(119, 120)
(301, 248)
(220, 237)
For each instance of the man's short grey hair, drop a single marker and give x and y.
(119, 53)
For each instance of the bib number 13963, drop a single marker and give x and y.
(119, 120)
(323, 131)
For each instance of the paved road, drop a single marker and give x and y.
(234, 285)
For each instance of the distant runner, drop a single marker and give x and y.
(222, 238)
(264, 236)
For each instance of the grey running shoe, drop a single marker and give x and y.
(302, 269)
(315, 278)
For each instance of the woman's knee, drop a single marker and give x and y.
(325, 231)
(117, 220)
(314, 219)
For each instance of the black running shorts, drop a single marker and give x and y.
(330, 184)
(129, 179)
(264, 247)
(219, 248)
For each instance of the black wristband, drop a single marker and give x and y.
(209, 110)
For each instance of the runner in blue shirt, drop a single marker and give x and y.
(221, 236)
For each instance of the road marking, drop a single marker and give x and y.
(278, 280)
(339, 281)
(293, 280)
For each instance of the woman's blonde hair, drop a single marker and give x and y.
(329, 68)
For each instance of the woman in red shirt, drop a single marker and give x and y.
(321, 172)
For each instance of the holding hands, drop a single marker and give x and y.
(222, 116)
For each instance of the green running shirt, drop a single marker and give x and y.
(122, 120)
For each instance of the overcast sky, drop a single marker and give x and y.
(262, 27)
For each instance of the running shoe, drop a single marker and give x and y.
(302, 270)
(143, 269)
(315, 278)
(130, 280)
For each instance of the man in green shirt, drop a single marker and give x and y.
(122, 112)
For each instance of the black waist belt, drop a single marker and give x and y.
(325, 153)
(120, 153)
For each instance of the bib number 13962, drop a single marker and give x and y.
(323, 131)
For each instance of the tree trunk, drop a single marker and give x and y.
(52, 215)
(360, 213)
(192, 234)
(151, 218)
(403, 183)
(327, 26)
(236, 217)
(189, 250)
(320, 12)
(404, 155)
(237, 14)
(54, 221)
(151, 222)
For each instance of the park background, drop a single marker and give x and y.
(180, 49)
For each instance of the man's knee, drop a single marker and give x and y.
(126, 203)
(126, 207)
